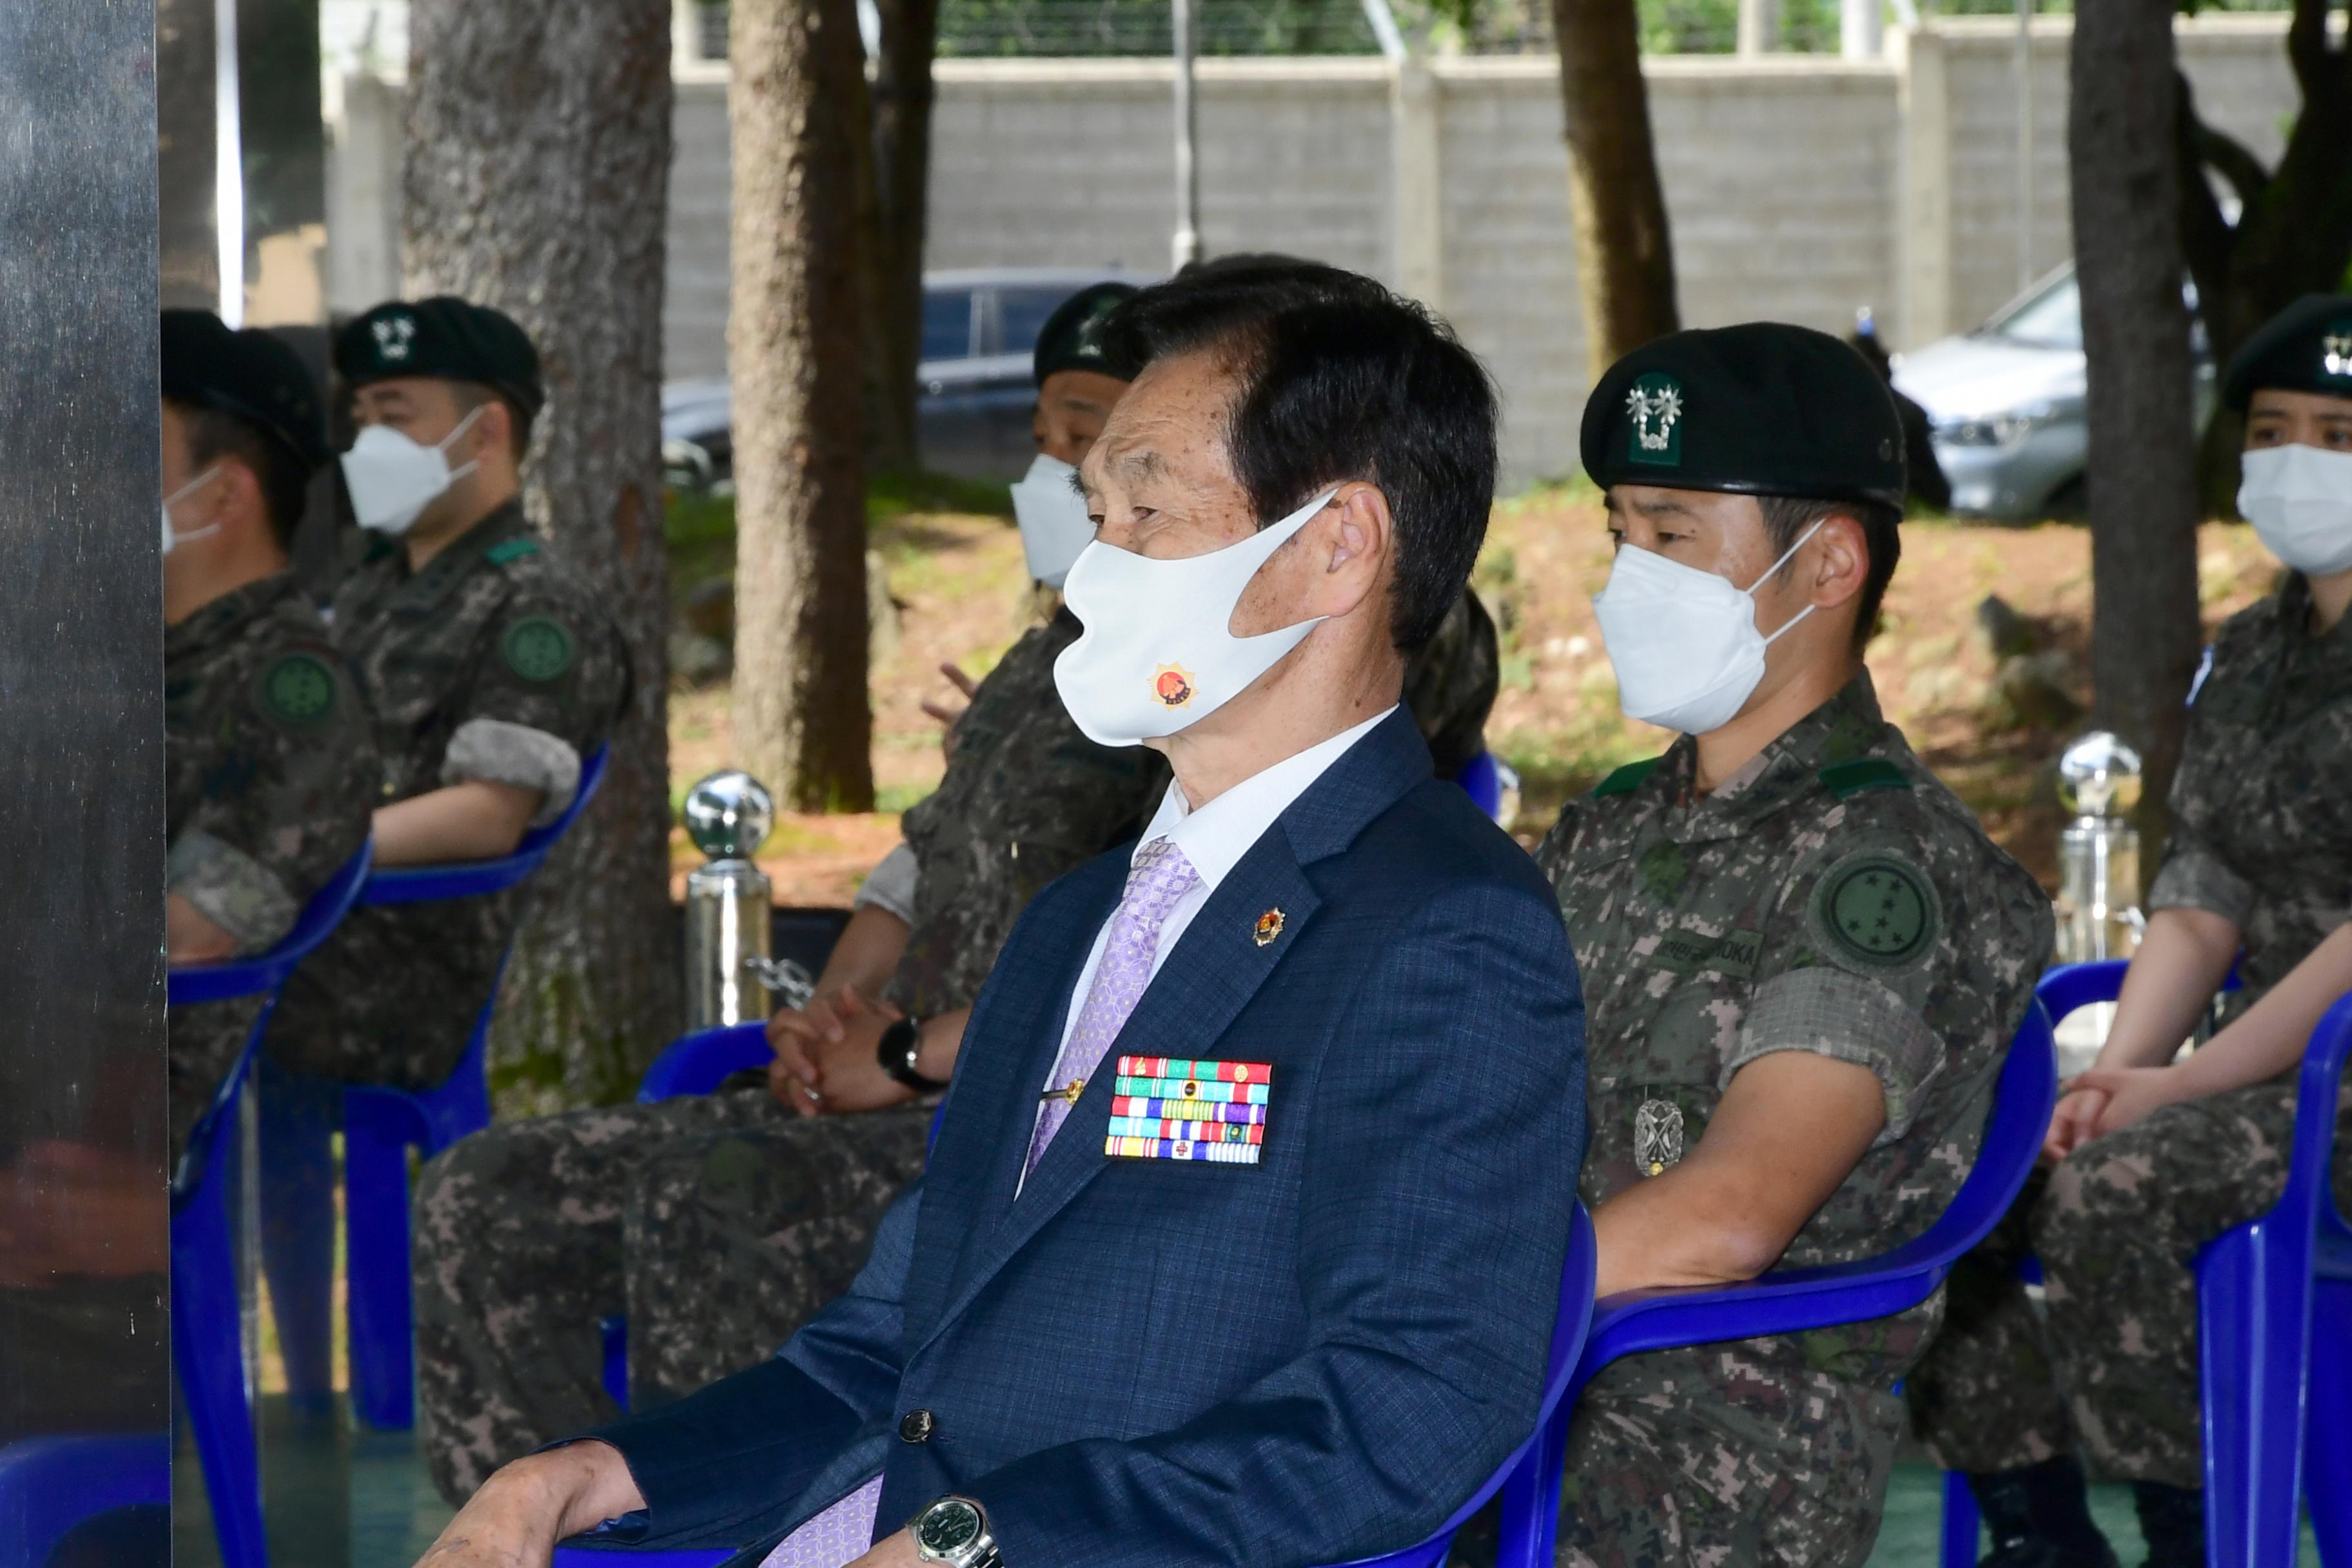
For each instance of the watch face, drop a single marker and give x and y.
(948, 1526)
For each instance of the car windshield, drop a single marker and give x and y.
(1023, 311)
(947, 323)
(2049, 318)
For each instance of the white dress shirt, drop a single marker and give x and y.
(1215, 838)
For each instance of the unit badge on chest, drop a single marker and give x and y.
(1657, 1136)
(1164, 1108)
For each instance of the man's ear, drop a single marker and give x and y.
(242, 502)
(493, 433)
(1841, 562)
(1364, 530)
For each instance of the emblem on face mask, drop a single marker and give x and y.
(1172, 686)
(393, 334)
(1657, 1136)
(2337, 357)
(1656, 408)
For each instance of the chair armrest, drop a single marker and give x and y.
(2316, 1090)
(700, 1062)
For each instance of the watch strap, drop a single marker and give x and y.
(896, 1054)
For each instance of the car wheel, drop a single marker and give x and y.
(2071, 500)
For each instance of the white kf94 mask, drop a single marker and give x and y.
(1054, 526)
(1684, 642)
(392, 479)
(2299, 498)
(171, 535)
(1159, 654)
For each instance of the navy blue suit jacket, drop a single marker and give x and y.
(1305, 1361)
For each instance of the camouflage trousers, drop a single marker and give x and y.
(718, 1224)
(1728, 1456)
(2108, 1370)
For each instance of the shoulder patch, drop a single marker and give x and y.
(299, 690)
(510, 550)
(538, 649)
(1877, 908)
(1847, 779)
(1627, 779)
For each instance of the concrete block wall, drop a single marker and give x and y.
(1798, 187)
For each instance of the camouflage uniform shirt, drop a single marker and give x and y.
(493, 663)
(1028, 797)
(269, 777)
(1832, 897)
(2262, 830)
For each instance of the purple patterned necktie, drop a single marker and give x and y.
(1156, 884)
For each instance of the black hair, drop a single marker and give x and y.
(473, 394)
(284, 478)
(1340, 379)
(1786, 519)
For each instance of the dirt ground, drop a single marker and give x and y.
(1991, 723)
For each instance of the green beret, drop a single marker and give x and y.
(1758, 409)
(252, 375)
(2308, 347)
(445, 338)
(1072, 337)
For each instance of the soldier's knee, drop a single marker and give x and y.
(2100, 1193)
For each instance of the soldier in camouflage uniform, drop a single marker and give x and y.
(2156, 1159)
(528, 1233)
(269, 767)
(490, 671)
(1803, 958)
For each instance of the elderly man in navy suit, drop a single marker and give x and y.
(1242, 1239)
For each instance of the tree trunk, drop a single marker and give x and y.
(535, 178)
(903, 96)
(2294, 233)
(797, 117)
(2141, 473)
(1624, 255)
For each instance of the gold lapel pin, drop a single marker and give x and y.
(1269, 926)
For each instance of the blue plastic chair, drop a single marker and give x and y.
(1531, 1511)
(49, 1485)
(379, 1126)
(1792, 1300)
(2275, 1324)
(1482, 779)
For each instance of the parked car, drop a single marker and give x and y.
(2005, 402)
(973, 394)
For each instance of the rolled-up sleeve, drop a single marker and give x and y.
(2196, 877)
(498, 752)
(232, 890)
(891, 886)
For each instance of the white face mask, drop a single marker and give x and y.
(1684, 642)
(2299, 499)
(1054, 522)
(392, 479)
(1158, 654)
(172, 536)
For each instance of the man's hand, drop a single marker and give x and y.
(825, 1055)
(2131, 1093)
(520, 1514)
(950, 713)
(891, 1552)
(2075, 1120)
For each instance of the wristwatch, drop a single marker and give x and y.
(900, 1043)
(954, 1531)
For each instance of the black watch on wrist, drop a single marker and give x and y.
(901, 1042)
(953, 1533)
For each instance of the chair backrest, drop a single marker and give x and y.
(252, 976)
(2070, 986)
(465, 879)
